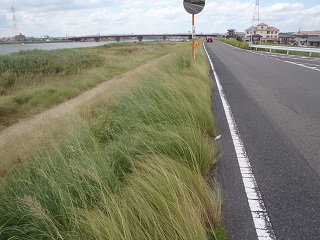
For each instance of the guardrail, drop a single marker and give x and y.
(288, 49)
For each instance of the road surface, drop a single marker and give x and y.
(193, 8)
(275, 101)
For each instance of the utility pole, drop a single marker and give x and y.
(299, 36)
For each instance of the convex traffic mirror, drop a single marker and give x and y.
(194, 6)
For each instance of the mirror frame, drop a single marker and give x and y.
(194, 6)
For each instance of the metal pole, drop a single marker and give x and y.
(193, 33)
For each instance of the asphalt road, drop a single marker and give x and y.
(308, 62)
(275, 100)
(193, 8)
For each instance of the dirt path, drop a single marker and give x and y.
(52, 125)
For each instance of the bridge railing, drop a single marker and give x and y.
(288, 49)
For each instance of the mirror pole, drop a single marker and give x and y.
(193, 36)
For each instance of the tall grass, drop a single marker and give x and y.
(137, 171)
(46, 63)
(31, 81)
(158, 202)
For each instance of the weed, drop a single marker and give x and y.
(218, 232)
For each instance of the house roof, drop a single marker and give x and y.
(269, 28)
(308, 33)
(273, 28)
(286, 36)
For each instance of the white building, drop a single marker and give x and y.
(267, 34)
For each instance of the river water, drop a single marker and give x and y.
(10, 48)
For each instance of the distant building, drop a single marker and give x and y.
(267, 33)
(29, 38)
(307, 38)
(19, 37)
(241, 35)
(231, 32)
(313, 41)
(309, 33)
(286, 38)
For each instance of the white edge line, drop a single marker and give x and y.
(303, 65)
(259, 214)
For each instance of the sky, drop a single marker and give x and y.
(60, 18)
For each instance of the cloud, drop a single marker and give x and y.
(220, 16)
(290, 17)
(84, 17)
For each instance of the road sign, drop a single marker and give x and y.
(194, 6)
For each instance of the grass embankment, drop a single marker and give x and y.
(31, 81)
(244, 45)
(235, 43)
(135, 170)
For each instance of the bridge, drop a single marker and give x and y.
(140, 37)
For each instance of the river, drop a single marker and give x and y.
(11, 48)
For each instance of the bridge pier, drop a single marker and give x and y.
(140, 38)
(97, 39)
(164, 38)
(117, 39)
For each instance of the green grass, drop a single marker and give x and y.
(235, 43)
(54, 62)
(31, 81)
(135, 170)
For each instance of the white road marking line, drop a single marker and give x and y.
(259, 214)
(294, 63)
(290, 57)
(311, 64)
(302, 65)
